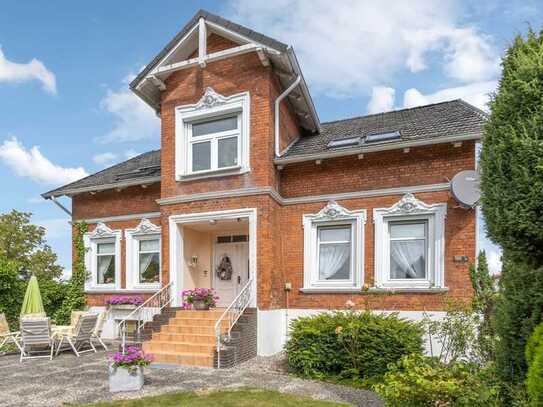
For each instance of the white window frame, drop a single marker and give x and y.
(211, 106)
(146, 230)
(101, 234)
(333, 215)
(410, 209)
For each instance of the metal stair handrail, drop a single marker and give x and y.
(232, 313)
(145, 312)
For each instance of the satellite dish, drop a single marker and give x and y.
(465, 188)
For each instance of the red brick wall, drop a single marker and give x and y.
(459, 240)
(279, 228)
(384, 169)
(227, 77)
(114, 203)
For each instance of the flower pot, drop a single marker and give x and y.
(121, 379)
(200, 305)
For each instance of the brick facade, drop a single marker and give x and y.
(279, 226)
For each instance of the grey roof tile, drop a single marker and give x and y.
(142, 167)
(452, 118)
(425, 122)
(258, 37)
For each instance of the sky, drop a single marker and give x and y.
(66, 111)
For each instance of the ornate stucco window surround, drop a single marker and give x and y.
(143, 260)
(334, 249)
(410, 245)
(212, 136)
(103, 258)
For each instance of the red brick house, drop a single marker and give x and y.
(309, 215)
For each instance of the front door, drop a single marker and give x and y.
(230, 270)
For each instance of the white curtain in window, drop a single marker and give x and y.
(406, 255)
(103, 266)
(145, 260)
(331, 258)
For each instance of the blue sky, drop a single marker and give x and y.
(64, 67)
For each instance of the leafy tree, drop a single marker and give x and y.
(512, 152)
(484, 301)
(74, 298)
(23, 244)
(534, 358)
(11, 291)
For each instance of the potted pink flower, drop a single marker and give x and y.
(126, 369)
(199, 298)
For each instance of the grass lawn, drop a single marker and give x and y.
(231, 398)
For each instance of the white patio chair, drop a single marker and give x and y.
(97, 333)
(80, 336)
(6, 335)
(36, 338)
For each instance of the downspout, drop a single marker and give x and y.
(277, 111)
(57, 203)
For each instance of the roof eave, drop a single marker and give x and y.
(374, 148)
(103, 187)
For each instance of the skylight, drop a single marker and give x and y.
(374, 138)
(344, 142)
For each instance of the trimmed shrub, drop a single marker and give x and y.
(350, 345)
(512, 151)
(518, 312)
(534, 358)
(422, 381)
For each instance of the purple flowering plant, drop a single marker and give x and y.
(125, 300)
(132, 359)
(207, 295)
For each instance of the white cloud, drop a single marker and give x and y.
(55, 228)
(347, 47)
(33, 70)
(475, 93)
(104, 158)
(134, 120)
(494, 259)
(32, 164)
(109, 158)
(382, 99)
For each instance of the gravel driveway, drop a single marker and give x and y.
(68, 379)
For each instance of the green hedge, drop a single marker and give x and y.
(352, 345)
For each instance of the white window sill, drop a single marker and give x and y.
(428, 290)
(212, 174)
(97, 290)
(330, 290)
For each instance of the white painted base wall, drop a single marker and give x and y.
(273, 327)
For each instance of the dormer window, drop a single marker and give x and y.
(212, 136)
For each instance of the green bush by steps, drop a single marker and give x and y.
(350, 345)
(419, 381)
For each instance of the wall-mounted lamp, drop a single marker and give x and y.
(193, 261)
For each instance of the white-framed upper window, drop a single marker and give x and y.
(143, 259)
(212, 136)
(103, 258)
(334, 249)
(214, 144)
(410, 245)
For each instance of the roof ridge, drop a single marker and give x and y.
(101, 171)
(394, 111)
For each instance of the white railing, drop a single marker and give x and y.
(232, 314)
(145, 313)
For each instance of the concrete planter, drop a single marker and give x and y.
(121, 379)
(200, 305)
(123, 307)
